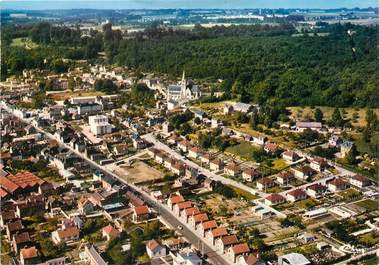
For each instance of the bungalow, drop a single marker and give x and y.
(198, 218)
(155, 250)
(284, 178)
(337, 184)
(109, 232)
(214, 234)
(184, 146)
(360, 181)
(274, 199)
(302, 126)
(232, 169)
(141, 213)
(319, 164)
(206, 226)
(271, 148)
(173, 200)
(315, 190)
(206, 158)
(186, 213)
(20, 240)
(29, 256)
(303, 172)
(13, 228)
(265, 183)
(194, 152)
(178, 168)
(296, 195)
(225, 242)
(249, 174)
(65, 235)
(249, 260)
(181, 206)
(216, 164)
(241, 249)
(290, 156)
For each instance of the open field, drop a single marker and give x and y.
(139, 172)
(304, 113)
(243, 150)
(369, 205)
(24, 42)
(68, 94)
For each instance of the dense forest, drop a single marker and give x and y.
(257, 63)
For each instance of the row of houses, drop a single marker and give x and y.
(228, 244)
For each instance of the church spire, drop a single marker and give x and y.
(184, 78)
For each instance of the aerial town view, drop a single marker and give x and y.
(221, 132)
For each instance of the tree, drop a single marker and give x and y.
(337, 120)
(318, 115)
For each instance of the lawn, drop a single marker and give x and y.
(241, 193)
(279, 164)
(369, 239)
(68, 94)
(243, 150)
(305, 249)
(306, 204)
(369, 205)
(363, 147)
(349, 193)
(24, 42)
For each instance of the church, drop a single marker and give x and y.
(184, 91)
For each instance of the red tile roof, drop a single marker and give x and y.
(200, 217)
(15, 226)
(191, 211)
(297, 193)
(360, 178)
(141, 210)
(29, 253)
(220, 231)
(229, 240)
(111, 231)
(233, 166)
(21, 238)
(271, 147)
(240, 248)
(8, 185)
(176, 199)
(209, 224)
(274, 197)
(3, 193)
(68, 232)
(152, 244)
(265, 181)
(25, 179)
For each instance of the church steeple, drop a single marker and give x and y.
(184, 78)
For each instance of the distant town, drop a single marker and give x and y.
(103, 163)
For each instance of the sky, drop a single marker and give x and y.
(156, 4)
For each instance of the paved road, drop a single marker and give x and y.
(187, 232)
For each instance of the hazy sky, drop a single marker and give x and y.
(152, 4)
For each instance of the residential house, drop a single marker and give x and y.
(20, 241)
(216, 164)
(290, 156)
(335, 141)
(153, 152)
(178, 168)
(154, 249)
(29, 256)
(184, 146)
(319, 164)
(271, 148)
(6, 217)
(65, 235)
(274, 199)
(249, 174)
(265, 183)
(188, 212)
(293, 259)
(232, 169)
(360, 181)
(206, 158)
(179, 207)
(141, 213)
(241, 249)
(214, 234)
(303, 172)
(250, 259)
(296, 195)
(109, 232)
(93, 257)
(302, 126)
(203, 227)
(56, 261)
(284, 178)
(337, 184)
(197, 219)
(225, 242)
(209, 184)
(260, 140)
(346, 147)
(316, 190)
(194, 152)
(173, 200)
(185, 258)
(85, 206)
(12, 228)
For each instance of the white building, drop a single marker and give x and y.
(99, 125)
(184, 91)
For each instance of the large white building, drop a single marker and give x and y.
(99, 125)
(184, 91)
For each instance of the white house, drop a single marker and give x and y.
(99, 125)
(154, 249)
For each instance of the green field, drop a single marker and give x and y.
(369, 205)
(24, 42)
(349, 193)
(243, 150)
